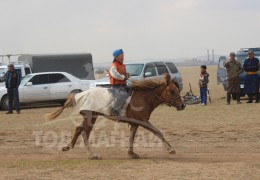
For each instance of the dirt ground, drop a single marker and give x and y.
(212, 142)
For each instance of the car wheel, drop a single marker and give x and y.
(4, 102)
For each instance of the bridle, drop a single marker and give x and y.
(173, 101)
(170, 104)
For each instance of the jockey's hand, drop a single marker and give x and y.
(127, 75)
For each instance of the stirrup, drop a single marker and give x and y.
(115, 113)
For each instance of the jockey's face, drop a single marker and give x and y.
(120, 58)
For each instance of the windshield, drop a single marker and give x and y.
(242, 59)
(134, 69)
(72, 78)
(26, 78)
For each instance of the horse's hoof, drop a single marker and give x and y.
(95, 158)
(172, 151)
(66, 148)
(134, 155)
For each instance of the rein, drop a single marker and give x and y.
(172, 103)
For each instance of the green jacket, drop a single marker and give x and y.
(234, 69)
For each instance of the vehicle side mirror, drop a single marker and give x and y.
(147, 74)
(29, 84)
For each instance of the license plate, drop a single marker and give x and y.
(242, 86)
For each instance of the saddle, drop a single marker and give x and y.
(108, 101)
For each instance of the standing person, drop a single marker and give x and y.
(12, 84)
(118, 77)
(251, 66)
(234, 69)
(203, 84)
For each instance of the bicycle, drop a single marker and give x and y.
(190, 98)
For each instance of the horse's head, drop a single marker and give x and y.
(171, 94)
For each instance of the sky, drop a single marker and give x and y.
(144, 29)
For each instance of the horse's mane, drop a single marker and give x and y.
(148, 84)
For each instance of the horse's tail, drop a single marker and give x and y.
(69, 103)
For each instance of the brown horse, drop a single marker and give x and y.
(148, 94)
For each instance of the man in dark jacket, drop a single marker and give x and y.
(234, 69)
(251, 66)
(12, 82)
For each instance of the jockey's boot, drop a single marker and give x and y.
(115, 112)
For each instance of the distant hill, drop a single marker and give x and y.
(198, 61)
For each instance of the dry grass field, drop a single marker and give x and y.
(212, 142)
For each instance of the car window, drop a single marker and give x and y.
(222, 59)
(40, 79)
(58, 78)
(134, 69)
(151, 69)
(242, 58)
(161, 69)
(27, 70)
(19, 71)
(172, 67)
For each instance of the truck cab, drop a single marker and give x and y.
(241, 56)
(20, 67)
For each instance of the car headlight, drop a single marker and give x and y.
(92, 85)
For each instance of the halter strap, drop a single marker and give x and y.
(167, 103)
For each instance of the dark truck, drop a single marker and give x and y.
(241, 56)
(80, 65)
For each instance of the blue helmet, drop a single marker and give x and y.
(118, 52)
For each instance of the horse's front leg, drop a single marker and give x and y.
(158, 133)
(78, 131)
(89, 121)
(133, 131)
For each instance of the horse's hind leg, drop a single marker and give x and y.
(88, 123)
(158, 133)
(78, 131)
(133, 131)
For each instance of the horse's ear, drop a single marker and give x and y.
(167, 78)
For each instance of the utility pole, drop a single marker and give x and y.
(208, 54)
(9, 57)
(213, 55)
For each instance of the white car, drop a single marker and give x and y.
(46, 87)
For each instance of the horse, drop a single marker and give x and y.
(148, 94)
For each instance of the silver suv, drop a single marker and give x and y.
(146, 69)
